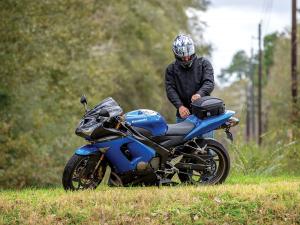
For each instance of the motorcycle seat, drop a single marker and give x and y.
(179, 129)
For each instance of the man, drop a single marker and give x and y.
(188, 78)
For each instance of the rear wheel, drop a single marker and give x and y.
(214, 156)
(83, 172)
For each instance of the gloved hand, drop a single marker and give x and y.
(195, 97)
(184, 112)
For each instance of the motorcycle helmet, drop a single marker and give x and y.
(184, 50)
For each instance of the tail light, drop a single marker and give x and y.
(233, 121)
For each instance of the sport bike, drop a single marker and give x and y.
(140, 148)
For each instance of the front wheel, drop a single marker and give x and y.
(84, 172)
(216, 159)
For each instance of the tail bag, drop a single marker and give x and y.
(208, 106)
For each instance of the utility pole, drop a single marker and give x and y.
(248, 111)
(294, 59)
(252, 97)
(259, 85)
(250, 118)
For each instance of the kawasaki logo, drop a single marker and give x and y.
(140, 120)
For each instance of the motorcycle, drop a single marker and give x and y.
(142, 149)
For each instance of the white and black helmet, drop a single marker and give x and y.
(184, 50)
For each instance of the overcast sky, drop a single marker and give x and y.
(232, 25)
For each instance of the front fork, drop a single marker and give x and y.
(98, 164)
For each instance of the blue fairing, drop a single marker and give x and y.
(87, 150)
(121, 164)
(139, 152)
(206, 125)
(147, 119)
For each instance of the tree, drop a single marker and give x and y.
(238, 67)
(52, 52)
(269, 48)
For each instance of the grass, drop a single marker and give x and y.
(242, 200)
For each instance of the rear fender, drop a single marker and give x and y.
(90, 149)
(208, 124)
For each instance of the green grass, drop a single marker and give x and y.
(252, 179)
(242, 200)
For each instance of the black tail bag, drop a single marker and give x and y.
(208, 106)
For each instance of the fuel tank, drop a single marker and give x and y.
(147, 119)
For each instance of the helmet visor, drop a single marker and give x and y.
(186, 59)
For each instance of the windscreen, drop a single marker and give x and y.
(110, 105)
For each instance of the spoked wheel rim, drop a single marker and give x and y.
(214, 171)
(85, 175)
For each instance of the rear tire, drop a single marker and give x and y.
(81, 170)
(222, 165)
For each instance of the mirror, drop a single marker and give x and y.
(83, 100)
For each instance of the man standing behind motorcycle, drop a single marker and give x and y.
(188, 78)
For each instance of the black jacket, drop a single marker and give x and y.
(182, 83)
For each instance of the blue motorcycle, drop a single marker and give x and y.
(142, 149)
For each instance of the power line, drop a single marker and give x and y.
(268, 17)
(266, 14)
(260, 14)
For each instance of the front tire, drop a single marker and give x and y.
(83, 172)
